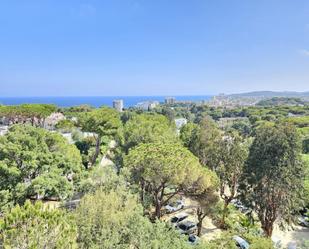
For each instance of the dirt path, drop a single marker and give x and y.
(295, 237)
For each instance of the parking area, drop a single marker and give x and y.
(187, 215)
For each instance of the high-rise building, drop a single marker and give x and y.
(170, 100)
(118, 105)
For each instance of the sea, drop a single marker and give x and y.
(95, 101)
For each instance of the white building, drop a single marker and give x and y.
(118, 105)
(147, 105)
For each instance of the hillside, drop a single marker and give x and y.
(277, 101)
(270, 94)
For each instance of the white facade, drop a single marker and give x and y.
(3, 129)
(147, 105)
(118, 105)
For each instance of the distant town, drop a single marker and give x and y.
(228, 101)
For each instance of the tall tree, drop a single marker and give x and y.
(225, 153)
(274, 174)
(205, 143)
(186, 134)
(233, 155)
(103, 122)
(207, 199)
(165, 170)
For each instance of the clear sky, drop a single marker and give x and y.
(152, 47)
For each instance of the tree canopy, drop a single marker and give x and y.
(104, 122)
(274, 174)
(34, 113)
(113, 218)
(157, 167)
(37, 226)
(148, 128)
(35, 163)
(205, 143)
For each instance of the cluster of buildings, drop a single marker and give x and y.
(228, 101)
(118, 104)
(147, 105)
(170, 100)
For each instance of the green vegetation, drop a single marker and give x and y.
(115, 220)
(104, 122)
(279, 101)
(243, 168)
(33, 113)
(37, 226)
(274, 174)
(165, 170)
(306, 183)
(65, 125)
(36, 164)
(147, 128)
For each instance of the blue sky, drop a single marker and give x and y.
(152, 47)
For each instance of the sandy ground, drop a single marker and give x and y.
(294, 237)
(210, 231)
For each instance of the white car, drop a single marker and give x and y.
(174, 207)
(241, 243)
(303, 221)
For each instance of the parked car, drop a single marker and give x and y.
(304, 212)
(178, 218)
(174, 207)
(193, 239)
(238, 204)
(241, 243)
(187, 227)
(303, 221)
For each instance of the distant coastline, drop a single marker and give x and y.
(96, 101)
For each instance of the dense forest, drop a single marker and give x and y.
(98, 178)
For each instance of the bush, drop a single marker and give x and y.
(37, 226)
(114, 219)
